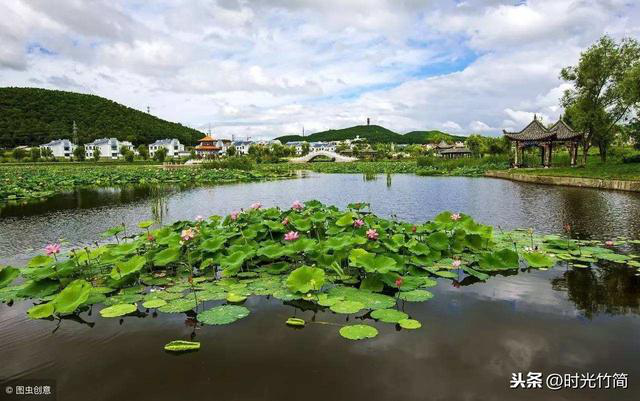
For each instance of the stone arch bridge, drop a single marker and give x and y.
(338, 158)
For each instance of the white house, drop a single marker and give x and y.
(242, 147)
(60, 148)
(173, 147)
(319, 146)
(297, 145)
(109, 147)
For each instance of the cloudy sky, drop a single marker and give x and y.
(267, 67)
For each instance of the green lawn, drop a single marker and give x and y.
(594, 169)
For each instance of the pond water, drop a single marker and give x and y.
(474, 335)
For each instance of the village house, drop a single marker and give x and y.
(60, 148)
(173, 146)
(108, 147)
(210, 147)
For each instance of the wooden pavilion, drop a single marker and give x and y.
(537, 135)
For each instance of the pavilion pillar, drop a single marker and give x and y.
(543, 155)
(573, 152)
(549, 154)
(515, 163)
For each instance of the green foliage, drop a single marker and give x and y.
(223, 314)
(358, 332)
(389, 315)
(409, 324)
(31, 116)
(305, 279)
(118, 310)
(182, 346)
(7, 275)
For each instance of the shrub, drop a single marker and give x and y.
(236, 163)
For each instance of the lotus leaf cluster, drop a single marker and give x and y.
(209, 267)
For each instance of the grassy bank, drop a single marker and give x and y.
(420, 166)
(40, 181)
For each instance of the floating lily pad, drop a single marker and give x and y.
(389, 315)
(182, 346)
(223, 314)
(118, 310)
(231, 297)
(294, 321)
(154, 303)
(358, 332)
(347, 307)
(410, 324)
(178, 306)
(41, 311)
(415, 295)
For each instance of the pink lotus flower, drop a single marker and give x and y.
(150, 238)
(52, 249)
(188, 234)
(285, 221)
(456, 264)
(256, 205)
(358, 223)
(199, 218)
(372, 234)
(414, 229)
(234, 215)
(455, 216)
(291, 236)
(399, 282)
(296, 205)
(609, 243)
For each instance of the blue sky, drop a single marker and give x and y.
(264, 68)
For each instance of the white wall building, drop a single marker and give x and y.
(109, 148)
(60, 148)
(173, 146)
(242, 147)
(297, 145)
(319, 146)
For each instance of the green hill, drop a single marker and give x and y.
(431, 137)
(32, 116)
(373, 134)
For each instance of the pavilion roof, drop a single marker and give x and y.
(536, 131)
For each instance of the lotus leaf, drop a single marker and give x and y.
(154, 303)
(72, 296)
(538, 259)
(41, 311)
(179, 305)
(123, 269)
(7, 275)
(294, 321)
(389, 315)
(347, 307)
(223, 314)
(118, 310)
(415, 295)
(182, 346)
(409, 324)
(358, 332)
(305, 279)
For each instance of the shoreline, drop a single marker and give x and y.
(582, 182)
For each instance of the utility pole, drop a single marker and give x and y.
(368, 121)
(148, 110)
(75, 132)
(303, 131)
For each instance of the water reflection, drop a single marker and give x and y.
(610, 290)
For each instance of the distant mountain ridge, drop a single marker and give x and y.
(374, 134)
(33, 116)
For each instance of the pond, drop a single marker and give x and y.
(475, 335)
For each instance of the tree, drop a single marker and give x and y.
(35, 154)
(96, 154)
(143, 151)
(476, 145)
(231, 150)
(46, 152)
(160, 155)
(305, 148)
(19, 153)
(633, 130)
(79, 153)
(129, 156)
(605, 90)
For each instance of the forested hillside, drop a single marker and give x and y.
(32, 116)
(374, 134)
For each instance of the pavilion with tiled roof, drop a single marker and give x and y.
(537, 135)
(207, 147)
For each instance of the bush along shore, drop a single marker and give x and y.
(347, 262)
(26, 182)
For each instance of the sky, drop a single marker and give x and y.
(265, 68)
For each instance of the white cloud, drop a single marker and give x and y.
(268, 67)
